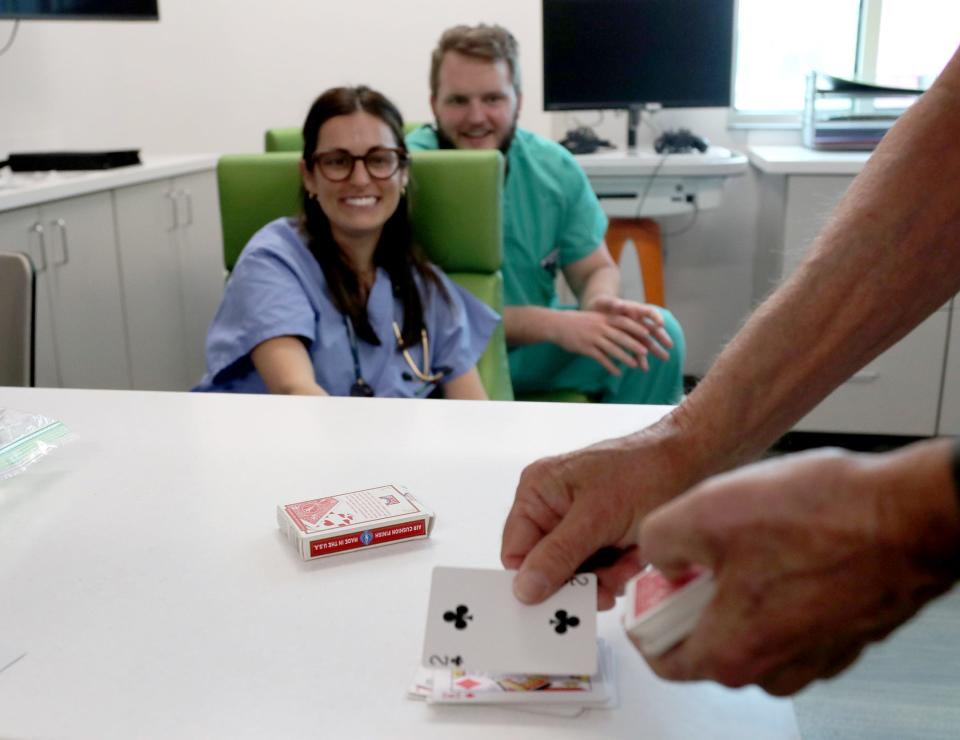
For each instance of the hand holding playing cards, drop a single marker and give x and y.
(814, 556)
(581, 505)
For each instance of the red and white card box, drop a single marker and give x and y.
(354, 521)
(660, 613)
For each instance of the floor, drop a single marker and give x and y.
(905, 687)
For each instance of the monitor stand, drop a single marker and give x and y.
(633, 123)
(634, 117)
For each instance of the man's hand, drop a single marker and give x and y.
(612, 329)
(579, 505)
(646, 315)
(815, 556)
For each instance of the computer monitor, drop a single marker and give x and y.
(128, 10)
(630, 53)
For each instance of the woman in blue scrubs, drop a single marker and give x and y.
(341, 301)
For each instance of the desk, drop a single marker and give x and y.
(143, 574)
(680, 183)
(636, 187)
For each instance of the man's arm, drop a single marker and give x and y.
(889, 257)
(606, 328)
(593, 276)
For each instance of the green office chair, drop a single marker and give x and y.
(455, 200)
(17, 328)
(290, 139)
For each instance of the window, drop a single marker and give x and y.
(902, 43)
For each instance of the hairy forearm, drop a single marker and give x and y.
(889, 257)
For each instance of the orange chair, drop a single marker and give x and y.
(645, 235)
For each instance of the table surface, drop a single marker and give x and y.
(145, 580)
(715, 162)
(800, 160)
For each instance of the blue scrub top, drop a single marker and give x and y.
(278, 289)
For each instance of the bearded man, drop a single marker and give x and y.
(617, 350)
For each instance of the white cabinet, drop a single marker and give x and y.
(129, 271)
(950, 402)
(80, 335)
(173, 276)
(899, 392)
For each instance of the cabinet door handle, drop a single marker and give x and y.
(62, 225)
(188, 198)
(174, 211)
(37, 229)
(864, 377)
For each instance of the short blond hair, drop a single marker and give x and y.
(491, 43)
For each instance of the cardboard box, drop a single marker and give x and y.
(352, 521)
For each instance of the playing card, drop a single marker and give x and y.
(422, 689)
(422, 685)
(475, 622)
(458, 686)
(659, 612)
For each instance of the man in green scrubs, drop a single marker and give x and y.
(619, 350)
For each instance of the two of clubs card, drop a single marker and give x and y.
(483, 646)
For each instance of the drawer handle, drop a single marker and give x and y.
(188, 199)
(62, 225)
(864, 377)
(174, 210)
(37, 229)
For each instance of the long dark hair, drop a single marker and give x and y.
(396, 251)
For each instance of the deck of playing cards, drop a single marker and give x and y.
(660, 613)
(483, 646)
(562, 695)
(354, 520)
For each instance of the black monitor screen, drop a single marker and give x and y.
(618, 53)
(80, 9)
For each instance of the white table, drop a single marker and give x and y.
(142, 572)
(646, 184)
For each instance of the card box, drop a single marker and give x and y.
(353, 521)
(660, 613)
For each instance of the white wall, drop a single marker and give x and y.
(212, 75)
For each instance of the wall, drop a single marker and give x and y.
(213, 75)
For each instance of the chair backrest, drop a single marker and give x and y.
(456, 210)
(284, 139)
(17, 311)
(290, 138)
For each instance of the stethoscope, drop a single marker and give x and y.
(360, 386)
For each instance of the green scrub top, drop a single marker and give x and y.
(551, 216)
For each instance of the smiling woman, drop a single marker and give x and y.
(315, 306)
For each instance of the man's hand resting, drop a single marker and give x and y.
(611, 329)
